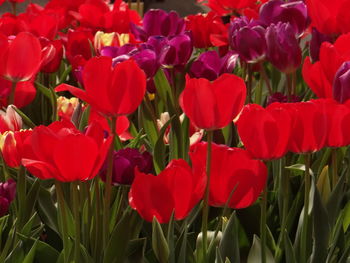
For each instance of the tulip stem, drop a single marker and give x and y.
(97, 219)
(304, 233)
(249, 83)
(14, 8)
(263, 224)
(63, 219)
(334, 168)
(289, 87)
(108, 185)
(77, 222)
(11, 98)
(266, 79)
(206, 197)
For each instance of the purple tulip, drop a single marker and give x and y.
(292, 12)
(317, 39)
(283, 50)
(209, 65)
(7, 195)
(124, 163)
(178, 51)
(341, 83)
(247, 38)
(157, 22)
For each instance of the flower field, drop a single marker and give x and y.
(219, 137)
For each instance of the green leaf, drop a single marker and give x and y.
(30, 256)
(346, 221)
(47, 209)
(163, 87)
(229, 244)
(321, 230)
(289, 250)
(254, 255)
(148, 124)
(118, 243)
(323, 185)
(84, 118)
(159, 149)
(159, 243)
(333, 204)
(170, 238)
(136, 251)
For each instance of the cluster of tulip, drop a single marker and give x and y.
(117, 130)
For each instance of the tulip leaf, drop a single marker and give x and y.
(159, 149)
(289, 250)
(159, 243)
(120, 237)
(163, 87)
(170, 238)
(30, 256)
(229, 244)
(255, 252)
(321, 230)
(323, 184)
(25, 118)
(84, 118)
(47, 209)
(148, 124)
(136, 251)
(346, 221)
(333, 204)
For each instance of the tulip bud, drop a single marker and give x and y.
(283, 50)
(209, 65)
(247, 38)
(294, 12)
(341, 83)
(10, 120)
(125, 161)
(66, 107)
(317, 39)
(7, 194)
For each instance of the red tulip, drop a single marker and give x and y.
(111, 91)
(338, 134)
(329, 17)
(53, 64)
(20, 58)
(309, 126)
(12, 146)
(265, 132)
(79, 45)
(62, 152)
(176, 189)
(213, 105)
(205, 28)
(320, 75)
(234, 174)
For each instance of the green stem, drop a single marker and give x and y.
(11, 98)
(285, 191)
(304, 233)
(289, 87)
(14, 8)
(108, 185)
(97, 220)
(21, 193)
(206, 197)
(263, 225)
(266, 79)
(334, 168)
(63, 216)
(76, 221)
(249, 83)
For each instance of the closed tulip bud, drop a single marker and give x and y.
(124, 163)
(247, 38)
(10, 120)
(177, 51)
(341, 83)
(283, 50)
(66, 107)
(12, 146)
